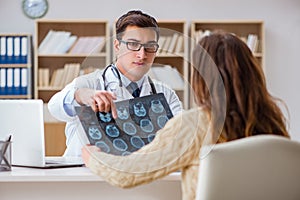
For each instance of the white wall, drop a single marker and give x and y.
(281, 17)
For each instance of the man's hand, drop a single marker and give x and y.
(99, 100)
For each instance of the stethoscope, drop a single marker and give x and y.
(116, 72)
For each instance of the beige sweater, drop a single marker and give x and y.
(175, 147)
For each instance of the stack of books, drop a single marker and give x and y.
(172, 44)
(60, 77)
(61, 42)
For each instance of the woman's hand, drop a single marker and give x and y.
(86, 153)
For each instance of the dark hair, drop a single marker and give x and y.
(135, 18)
(250, 109)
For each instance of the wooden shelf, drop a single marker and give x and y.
(53, 61)
(54, 130)
(176, 59)
(241, 28)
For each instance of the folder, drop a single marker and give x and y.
(17, 48)
(3, 50)
(9, 53)
(24, 50)
(24, 81)
(17, 79)
(9, 80)
(2, 81)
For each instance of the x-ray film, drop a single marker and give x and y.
(138, 121)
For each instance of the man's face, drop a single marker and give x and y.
(134, 64)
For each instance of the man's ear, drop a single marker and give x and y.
(116, 45)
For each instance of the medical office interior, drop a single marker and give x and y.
(275, 23)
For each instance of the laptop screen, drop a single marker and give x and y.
(23, 119)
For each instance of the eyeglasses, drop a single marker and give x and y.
(151, 47)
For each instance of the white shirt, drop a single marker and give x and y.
(62, 103)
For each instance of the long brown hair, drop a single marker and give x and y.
(248, 107)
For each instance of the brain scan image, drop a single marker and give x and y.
(146, 125)
(137, 142)
(112, 130)
(162, 120)
(122, 113)
(120, 144)
(151, 137)
(94, 133)
(137, 123)
(129, 128)
(103, 146)
(139, 109)
(105, 117)
(156, 106)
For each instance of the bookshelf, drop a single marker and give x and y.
(15, 66)
(175, 57)
(250, 31)
(245, 29)
(50, 60)
(58, 55)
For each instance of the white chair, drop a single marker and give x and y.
(264, 167)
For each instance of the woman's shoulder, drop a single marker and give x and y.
(194, 111)
(193, 117)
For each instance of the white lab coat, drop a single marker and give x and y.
(74, 136)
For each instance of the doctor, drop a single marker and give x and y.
(135, 46)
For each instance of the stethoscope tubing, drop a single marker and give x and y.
(116, 71)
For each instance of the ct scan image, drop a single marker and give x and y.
(138, 121)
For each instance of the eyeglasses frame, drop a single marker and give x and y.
(141, 45)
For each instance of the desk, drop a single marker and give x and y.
(79, 183)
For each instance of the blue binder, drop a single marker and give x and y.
(24, 81)
(24, 49)
(3, 50)
(2, 81)
(17, 81)
(10, 50)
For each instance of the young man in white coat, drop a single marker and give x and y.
(135, 46)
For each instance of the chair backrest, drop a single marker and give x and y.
(259, 167)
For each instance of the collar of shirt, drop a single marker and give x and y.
(126, 81)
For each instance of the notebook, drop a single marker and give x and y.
(23, 119)
(138, 121)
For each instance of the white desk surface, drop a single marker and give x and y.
(72, 174)
(79, 183)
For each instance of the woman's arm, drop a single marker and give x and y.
(175, 146)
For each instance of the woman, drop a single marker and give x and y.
(233, 102)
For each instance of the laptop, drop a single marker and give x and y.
(23, 120)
